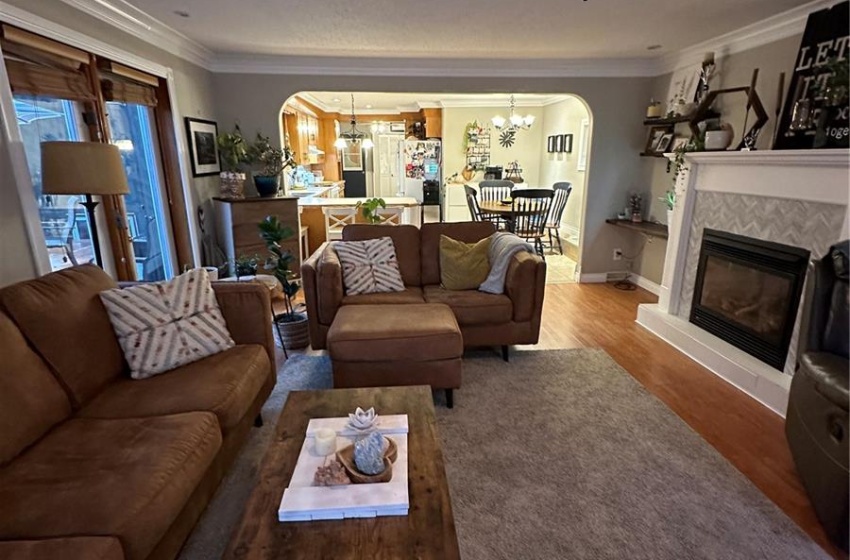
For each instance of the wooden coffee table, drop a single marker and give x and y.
(428, 531)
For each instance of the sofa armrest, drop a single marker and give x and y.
(246, 307)
(321, 277)
(525, 284)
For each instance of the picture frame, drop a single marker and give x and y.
(678, 142)
(566, 143)
(550, 144)
(559, 143)
(201, 138)
(352, 156)
(663, 143)
(653, 137)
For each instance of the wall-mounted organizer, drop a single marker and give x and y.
(477, 146)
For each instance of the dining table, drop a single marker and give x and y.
(495, 207)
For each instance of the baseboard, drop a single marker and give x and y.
(593, 278)
(647, 285)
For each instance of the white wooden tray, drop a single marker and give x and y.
(302, 501)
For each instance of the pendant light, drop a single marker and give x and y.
(353, 133)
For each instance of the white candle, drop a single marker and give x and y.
(325, 441)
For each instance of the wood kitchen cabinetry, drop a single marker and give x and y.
(238, 234)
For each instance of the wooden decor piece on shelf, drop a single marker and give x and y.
(704, 111)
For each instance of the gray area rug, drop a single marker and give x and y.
(559, 454)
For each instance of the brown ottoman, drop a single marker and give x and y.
(387, 345)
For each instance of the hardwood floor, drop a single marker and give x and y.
(746, 433)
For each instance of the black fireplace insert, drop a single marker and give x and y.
(747, 292)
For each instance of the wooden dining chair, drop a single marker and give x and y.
(496, 191)
(472, 203)
(529, 211)
(561, 194)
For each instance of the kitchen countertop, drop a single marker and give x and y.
(352, 201)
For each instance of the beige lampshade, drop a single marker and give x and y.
(82, 168)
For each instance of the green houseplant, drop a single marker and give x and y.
(271, 162)
(369, 209)
(233, 154)
(292, 325)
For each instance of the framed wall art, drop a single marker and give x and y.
(203, 151)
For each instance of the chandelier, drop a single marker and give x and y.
(514, 122)
(353, 133)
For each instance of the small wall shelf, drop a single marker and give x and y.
(648, 228)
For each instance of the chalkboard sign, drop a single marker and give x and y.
(815, 114)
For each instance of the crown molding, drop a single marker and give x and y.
(52, 30)
(230, 63)
(769, 30)
(126, 17)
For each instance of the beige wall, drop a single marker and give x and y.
(193, 87)
(615, 169)
(526, 149)
(565, 117)
(733, 71)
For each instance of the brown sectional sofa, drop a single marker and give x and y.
(94, 464)
(484, 319)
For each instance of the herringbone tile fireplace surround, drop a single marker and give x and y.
(797, 198)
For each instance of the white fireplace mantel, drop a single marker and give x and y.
(807, 176)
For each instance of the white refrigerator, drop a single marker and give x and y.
(419, 161)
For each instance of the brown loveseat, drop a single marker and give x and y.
(94, 464)
(484, 319)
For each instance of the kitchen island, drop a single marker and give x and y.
(313, 216)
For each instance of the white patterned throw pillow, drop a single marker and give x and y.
(163, 325)
(369, 267)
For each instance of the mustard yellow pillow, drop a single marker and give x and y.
(463, 266)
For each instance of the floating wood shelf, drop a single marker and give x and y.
(668, 121)
(649, 228)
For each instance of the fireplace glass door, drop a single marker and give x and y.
(747, 293)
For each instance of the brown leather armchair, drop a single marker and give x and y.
(817, 420)
(484, 319)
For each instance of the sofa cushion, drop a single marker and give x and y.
(126, 478)
(472, 307)
(31, 400)
(463, 266)
(163, 325)
(409, 295)
(406, 240)
(70, 548)
(63, 318)
(225, 384)
(415, 332)
(369, 266)
(467, 232)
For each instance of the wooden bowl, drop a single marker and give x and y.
(346, 457)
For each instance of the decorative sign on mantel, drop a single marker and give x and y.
(816, 109)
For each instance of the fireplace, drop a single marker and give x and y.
(747, 292)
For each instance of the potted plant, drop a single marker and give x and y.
(272, 161)
(246, 265)
(233, 154)
(677, 164)
(669, 200)
(292, 326)
(369, 209)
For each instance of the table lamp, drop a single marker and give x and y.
(89, 168)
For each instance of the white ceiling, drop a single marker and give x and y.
(484, 29)
(375, 103)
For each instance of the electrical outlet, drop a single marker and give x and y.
(618, 254)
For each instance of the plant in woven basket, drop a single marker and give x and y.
(369, 209)
(273, 233)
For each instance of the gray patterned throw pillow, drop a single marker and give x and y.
(163, 325)
(369, 267)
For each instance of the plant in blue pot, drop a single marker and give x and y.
(271, 161)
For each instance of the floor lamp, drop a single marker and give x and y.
(89, 168)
